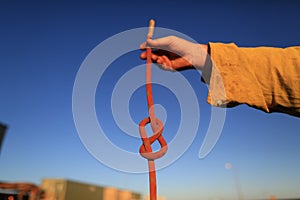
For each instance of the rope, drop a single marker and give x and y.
(156, 125)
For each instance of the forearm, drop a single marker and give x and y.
(265, 78)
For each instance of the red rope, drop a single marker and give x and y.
(156, 125)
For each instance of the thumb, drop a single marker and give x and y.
(158, 43)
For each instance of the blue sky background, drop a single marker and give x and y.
(42, 45)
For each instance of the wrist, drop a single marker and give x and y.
(205, 47)
(200, 55)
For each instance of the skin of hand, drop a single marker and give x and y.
(173, 53)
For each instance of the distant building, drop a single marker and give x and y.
(20, 191)
(62, 189)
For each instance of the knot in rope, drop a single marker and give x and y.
(157, 128)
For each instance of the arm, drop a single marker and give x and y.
(263, 77)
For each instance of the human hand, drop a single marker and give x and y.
(173, 53)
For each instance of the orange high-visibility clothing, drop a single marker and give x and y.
(265, 78)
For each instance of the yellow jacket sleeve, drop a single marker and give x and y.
(263, 77)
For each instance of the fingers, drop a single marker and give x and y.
(159, 56)
(165, 63)
(162, 61)
(143, 56)
(159, 43)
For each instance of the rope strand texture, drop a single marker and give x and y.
(156, 125)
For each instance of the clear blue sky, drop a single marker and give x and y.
(42, 46)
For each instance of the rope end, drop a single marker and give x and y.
(151, 28)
